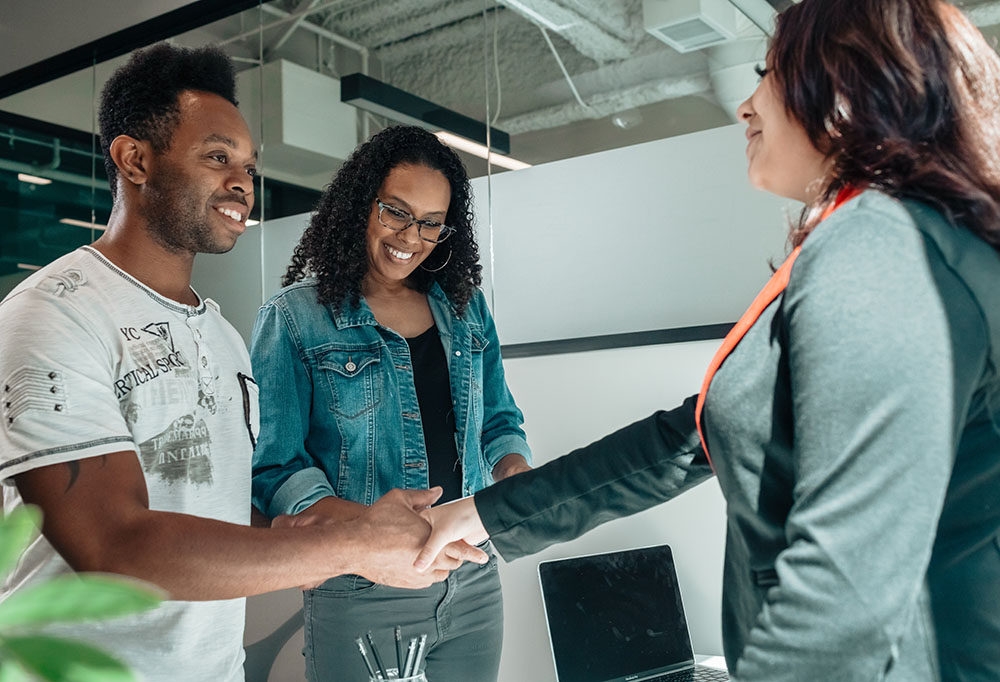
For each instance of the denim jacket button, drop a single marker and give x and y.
(350, 367)
(458, 353)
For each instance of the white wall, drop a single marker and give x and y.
(656, 235)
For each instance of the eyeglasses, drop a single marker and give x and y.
(397, 219)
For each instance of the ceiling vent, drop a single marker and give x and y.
(305, 127)
(689, 25)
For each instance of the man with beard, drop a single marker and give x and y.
(129, 408)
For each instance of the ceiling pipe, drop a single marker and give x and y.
(986, 14)
(56, 156)
(760, 12)
(323, 32)
(607, 103)
(292, 16)
(291, 29)
(57, 175)
(589, 39)
(731, 71)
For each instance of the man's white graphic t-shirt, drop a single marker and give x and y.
(92, 362)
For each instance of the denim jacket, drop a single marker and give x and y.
(339, 411)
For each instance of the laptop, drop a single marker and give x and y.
(618, 617)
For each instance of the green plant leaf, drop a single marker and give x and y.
(17, 530)
(12, 672)
(63, 660)
(77, 597)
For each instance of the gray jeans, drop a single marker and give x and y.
(462, 618)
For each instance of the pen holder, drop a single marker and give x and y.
(419, 677)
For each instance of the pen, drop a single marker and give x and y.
(399, 651)
(410, 650)
(364, 655)
(421, 648)
(378, 659)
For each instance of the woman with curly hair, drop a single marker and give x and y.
(852, 416)
(379, 368)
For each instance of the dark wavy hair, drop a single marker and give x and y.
(903, 96)
(141, 97)
(333, 247)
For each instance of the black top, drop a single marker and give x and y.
(437, 414)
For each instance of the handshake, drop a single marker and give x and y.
(400, 540)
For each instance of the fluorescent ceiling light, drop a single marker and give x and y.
(535, 16)
(33, 179)
(382, 99)
(28, 266)
(82, 223)
(251, 222)
(480, 151)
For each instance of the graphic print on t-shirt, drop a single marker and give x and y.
(181, 453)
(154, 355)
(160, 330)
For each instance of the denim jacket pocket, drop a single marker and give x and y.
(354, 378)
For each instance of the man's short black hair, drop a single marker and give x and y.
(141, 98)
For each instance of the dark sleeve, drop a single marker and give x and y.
(624, 473)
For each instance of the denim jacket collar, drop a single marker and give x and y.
(362, 314)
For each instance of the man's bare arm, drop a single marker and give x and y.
(97, 516)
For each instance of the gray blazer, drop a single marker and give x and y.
(855, 432)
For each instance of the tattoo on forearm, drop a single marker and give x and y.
(74, 473)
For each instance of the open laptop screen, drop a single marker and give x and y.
(615, 616)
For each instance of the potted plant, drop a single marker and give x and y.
(28, 654)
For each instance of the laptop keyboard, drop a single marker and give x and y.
(701, 674)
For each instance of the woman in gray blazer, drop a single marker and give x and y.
(853, 415)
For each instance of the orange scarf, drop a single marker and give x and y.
(774, 287)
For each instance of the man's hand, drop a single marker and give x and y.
(450, 523)
(395, 533)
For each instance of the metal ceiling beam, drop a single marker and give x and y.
(318, 30)
(607, 103)
(590, 38)
(393, 21)
(291, 29)
(284, 18)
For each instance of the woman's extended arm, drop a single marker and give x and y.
(633, 469)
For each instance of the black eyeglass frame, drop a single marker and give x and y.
(446, 230)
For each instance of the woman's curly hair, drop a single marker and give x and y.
(903, 95)
(333, 247)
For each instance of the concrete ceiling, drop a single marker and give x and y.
(475, 56)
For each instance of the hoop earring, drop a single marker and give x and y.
(440, 267)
